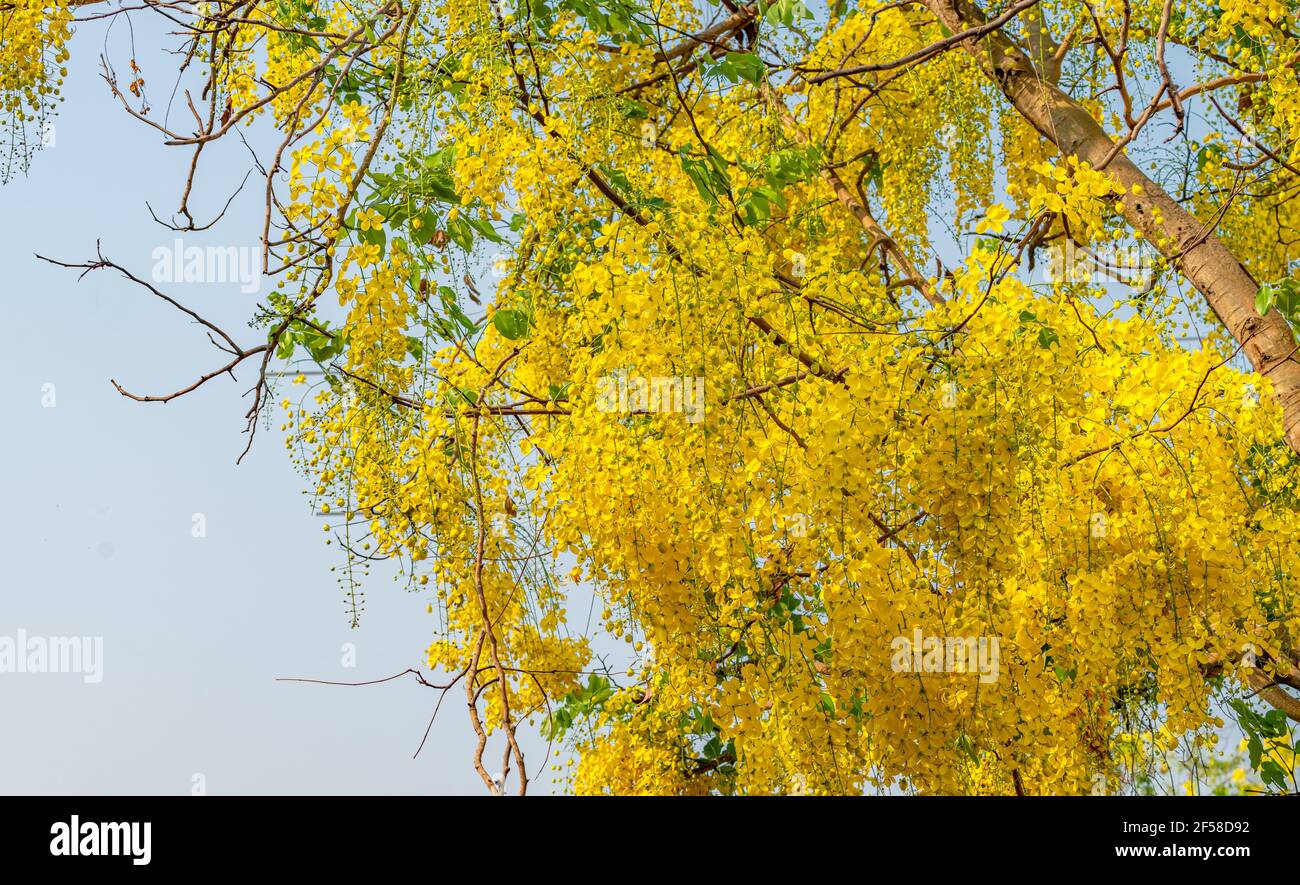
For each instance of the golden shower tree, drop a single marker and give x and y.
(913, 383)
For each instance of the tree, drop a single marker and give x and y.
(878, 367)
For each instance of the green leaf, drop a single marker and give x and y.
(614, 17)
(785, 12)
(1288, 298)
(965, 744)
(634, 110)
(512, 324)
(737, 66)
(755, 204)
(459, 395)
(1047, 337)
(1273, 774)
(461, 233)
(1264, 299)
(876, 172)
(428, 224)
(1206, 154)
(1028, 316)
(705, 175)
(322, 348)
(375, 237)
(619, 179)
(558, 393)
(1274, 724)
(485, 229)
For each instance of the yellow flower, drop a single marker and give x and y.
(994, 219)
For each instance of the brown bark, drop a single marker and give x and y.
(1227, 286)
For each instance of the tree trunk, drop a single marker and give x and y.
(1227, 286)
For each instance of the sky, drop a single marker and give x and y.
(99, 497)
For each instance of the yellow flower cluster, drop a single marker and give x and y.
(849, 526)
(1079, 194)
(32, 54)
